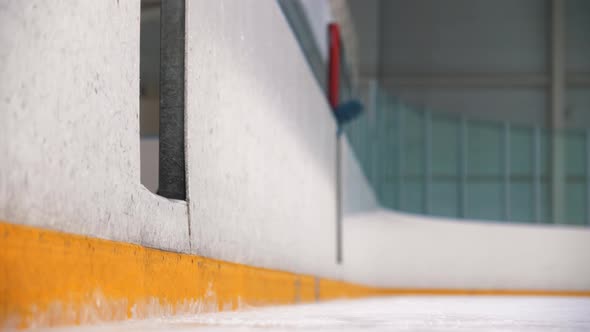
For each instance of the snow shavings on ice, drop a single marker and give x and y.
(404, 313)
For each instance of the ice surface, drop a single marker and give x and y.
(404, 313)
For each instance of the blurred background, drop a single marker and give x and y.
(474, 109)
(467, 172)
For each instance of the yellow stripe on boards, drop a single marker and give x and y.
(49, 278)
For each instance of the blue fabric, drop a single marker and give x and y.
(348, 111)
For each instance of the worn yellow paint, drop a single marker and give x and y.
(331, 289)
(50, 278)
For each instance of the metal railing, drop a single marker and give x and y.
(433, 163)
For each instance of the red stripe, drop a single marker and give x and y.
(334, 64)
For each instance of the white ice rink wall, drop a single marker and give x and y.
(260, 135)
(261, 141)
(412, 251)
(260, 148)
(69, 124)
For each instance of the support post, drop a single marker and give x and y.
(462, 167)
(537, 174)
(339, 198)
(427, 161)
(507, 171)
(588, 177)
(375, 119)
(557, 102)
(400, 157)
(333, 93)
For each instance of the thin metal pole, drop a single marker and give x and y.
(462, 167)
(537, 173)
(364, 146)
(507, 171)
(333, 94)
(400, 168)
(427, 160)
(557, 107)
(375, 123)
(588, 176)
(339, 196)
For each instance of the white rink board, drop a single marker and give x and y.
(261, 142)
(414, 251)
